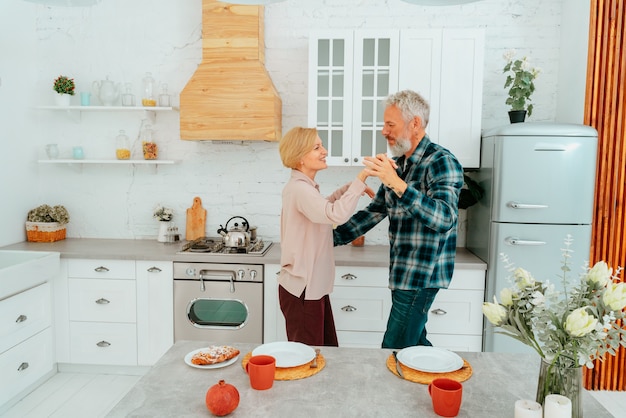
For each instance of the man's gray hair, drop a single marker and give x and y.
(411, 104)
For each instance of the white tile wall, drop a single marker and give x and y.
(123, 40)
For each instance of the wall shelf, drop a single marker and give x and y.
(73, 161)
(149, 111)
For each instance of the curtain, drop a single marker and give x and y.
(605, 110)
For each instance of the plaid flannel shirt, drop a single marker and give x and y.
(422, 223)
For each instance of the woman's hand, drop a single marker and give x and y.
(384, 168)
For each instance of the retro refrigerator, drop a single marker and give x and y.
(539, 181)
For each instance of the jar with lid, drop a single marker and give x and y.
(150, 148)
(122, 146)
(128, 98)
(148, 95)
(164, 97)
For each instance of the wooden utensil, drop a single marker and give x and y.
(196, 220)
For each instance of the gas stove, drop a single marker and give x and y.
(215, 245)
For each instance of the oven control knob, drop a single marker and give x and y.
(253, 274)
(191, 271)
(241, 274)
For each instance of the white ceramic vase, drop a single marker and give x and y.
(163, 230)
(62, 99)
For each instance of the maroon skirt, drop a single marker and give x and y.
(309, 322)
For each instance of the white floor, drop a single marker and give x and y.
(69, 395)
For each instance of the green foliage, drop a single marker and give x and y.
(46, 213)
(64, 85)
(520, 82)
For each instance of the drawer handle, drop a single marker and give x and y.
(103, 344)
(21, 318)
(348, 276)
(154, 270)
(103, 301)
(101, 269)
(348, 308)
(438, 311)
(23, 366)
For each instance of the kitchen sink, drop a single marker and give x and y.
(21, 270)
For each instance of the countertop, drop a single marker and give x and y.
(354, 383)
(126, 249)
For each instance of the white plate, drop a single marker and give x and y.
(208, 366)
(430, 359)
(286, 353)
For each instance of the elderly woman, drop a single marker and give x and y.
(307, 261)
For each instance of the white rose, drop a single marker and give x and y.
(600, 273)
(506, 296)
(495, 313)
(615, 296)
(508, 55)
(523, 278)
(537, 298)
(579, 323)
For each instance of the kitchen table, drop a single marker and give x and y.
(355, 382)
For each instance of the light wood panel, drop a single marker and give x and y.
(605, 110)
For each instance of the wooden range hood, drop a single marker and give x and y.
(231, 96)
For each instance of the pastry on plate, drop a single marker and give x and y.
(214, 354)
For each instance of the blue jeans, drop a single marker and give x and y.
(406, 326)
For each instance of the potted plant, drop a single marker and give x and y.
(520, 78)
(64, 86)
(46, 223)
(164, 216)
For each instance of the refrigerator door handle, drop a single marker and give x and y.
(517, 241)
(517, 205)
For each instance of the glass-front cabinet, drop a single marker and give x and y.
(350, 76)
(352, 72)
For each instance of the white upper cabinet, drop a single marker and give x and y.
(352, 72)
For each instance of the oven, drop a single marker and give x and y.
(218, 302)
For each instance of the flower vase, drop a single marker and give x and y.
(516, 116)
(62, 99)
(561, 380)
(163, 231)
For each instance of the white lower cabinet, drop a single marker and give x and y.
(26, 340)
(361, 303)
(119, 312)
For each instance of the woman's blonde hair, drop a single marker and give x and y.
(295, 144)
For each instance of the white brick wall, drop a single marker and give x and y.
(125, 39)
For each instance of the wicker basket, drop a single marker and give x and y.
(44, 231)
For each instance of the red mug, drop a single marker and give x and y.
(261, 370)
(446, 395)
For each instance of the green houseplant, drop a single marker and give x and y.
(520, 76)
(46, 223)
(64, 85)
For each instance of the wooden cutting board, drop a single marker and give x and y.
(196, 220)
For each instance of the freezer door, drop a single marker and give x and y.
(543, 179)
(537, 249)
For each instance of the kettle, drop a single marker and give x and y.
(107, 91)
(238, 236)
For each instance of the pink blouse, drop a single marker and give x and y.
(306, 233)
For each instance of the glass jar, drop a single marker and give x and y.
(164, 97)
(150, 148)
(122, 146)
(128, 98)
(148, 96)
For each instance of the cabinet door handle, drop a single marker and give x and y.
(438, 311)
(23, 366)
(345, 160)
(348, 308)
(103, 344)
(21, 318)
(348, 276)
(522, 242)
(103, 301)
(154, 270)
(101, 269)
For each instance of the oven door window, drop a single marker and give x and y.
(217, 313)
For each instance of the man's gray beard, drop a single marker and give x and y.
(401, 147)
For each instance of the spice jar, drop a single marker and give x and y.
(150, 148)
(122, 146)
(148, 96)
(128, 98)
(164, 97)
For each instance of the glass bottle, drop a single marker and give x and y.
(164, 97)
(150, 148)
(122, 146)
(128, 98)
(148, 96)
